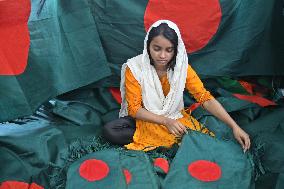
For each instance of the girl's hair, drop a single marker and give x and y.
(170, 34)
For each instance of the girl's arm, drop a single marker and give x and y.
(195, 86)
(215, 108)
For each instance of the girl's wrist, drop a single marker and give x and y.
(165, 121)
(234, 126)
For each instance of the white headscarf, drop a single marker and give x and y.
(152, 93)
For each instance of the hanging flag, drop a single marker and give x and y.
(65, 53)
(72, 44)
(223, 38)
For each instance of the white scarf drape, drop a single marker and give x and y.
(152, 93)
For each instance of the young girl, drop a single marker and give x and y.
(152, 111)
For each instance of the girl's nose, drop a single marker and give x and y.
(162, 55)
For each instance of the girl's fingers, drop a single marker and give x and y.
(179, 129)
(241, 142)
(183, 128)
(176, 132)
(247, 143)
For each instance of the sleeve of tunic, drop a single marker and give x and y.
(195, 87)
(133, 94)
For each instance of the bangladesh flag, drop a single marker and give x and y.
(47, 48)
(222, 37)
(52, 47)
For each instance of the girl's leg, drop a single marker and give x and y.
(120, 131)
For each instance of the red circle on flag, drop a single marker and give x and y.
(14, 36)
(127, 175)
(93, 170)
(162, 163)
(19, 185)
(198, 21)
(205, 171)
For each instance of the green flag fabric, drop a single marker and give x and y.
(249, 41)
(112, 169)
(40, 151)
(206, 162)
(99, 170)
(31, 152)
(253, 47)
(65, 53)
(74, 44)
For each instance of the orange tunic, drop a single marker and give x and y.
(149, 135)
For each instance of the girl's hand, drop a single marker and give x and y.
(175, 127)
(242, 137)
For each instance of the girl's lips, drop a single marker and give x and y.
(163, 61)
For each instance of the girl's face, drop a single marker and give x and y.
(162, 51)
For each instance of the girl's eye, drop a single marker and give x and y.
(170, 50)
(156, 49)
